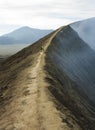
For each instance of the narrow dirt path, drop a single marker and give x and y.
(44, 116)
(48, 116)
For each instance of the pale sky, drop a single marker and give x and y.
(43, 14)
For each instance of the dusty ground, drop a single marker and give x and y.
(31, 106)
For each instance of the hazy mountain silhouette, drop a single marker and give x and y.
(25, 35)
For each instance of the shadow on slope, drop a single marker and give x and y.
(70, 65)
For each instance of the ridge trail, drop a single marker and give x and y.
(32, 107)
(45, 115)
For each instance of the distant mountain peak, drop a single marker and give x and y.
(24, 28)
(24, 35)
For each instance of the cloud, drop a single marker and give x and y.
(45, 13)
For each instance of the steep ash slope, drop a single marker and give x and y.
(71, 64)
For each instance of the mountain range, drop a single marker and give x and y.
(23, 35)
(51, 88)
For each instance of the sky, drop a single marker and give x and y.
(43, 14)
